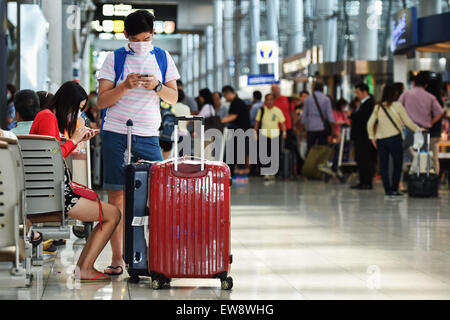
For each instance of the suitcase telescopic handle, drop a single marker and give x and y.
(129, 132)
(202, 139)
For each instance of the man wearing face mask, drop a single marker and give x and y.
(134, 93)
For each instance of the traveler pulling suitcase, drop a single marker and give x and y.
(136, 214)
(189, 218)
(420, 183)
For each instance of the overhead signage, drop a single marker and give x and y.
(259, 79)
(404, 30)
(110, 17)
(266, 52)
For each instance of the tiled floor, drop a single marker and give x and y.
(298, 240)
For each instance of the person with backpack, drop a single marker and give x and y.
(385, 130)
(132, 82)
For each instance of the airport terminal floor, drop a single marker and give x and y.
(289, 241)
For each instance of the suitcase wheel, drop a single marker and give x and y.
(134, 279)
(157, 284)
(227, 284)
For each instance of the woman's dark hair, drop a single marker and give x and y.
(138, 22)
(389, 94)
(181, 95)
(66, 104)
(44, 99)
(434, 87)
(206, 94)
(338, 106)
(399, 87)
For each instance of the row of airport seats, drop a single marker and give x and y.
(31, 198)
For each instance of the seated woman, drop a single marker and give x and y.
(62, 115)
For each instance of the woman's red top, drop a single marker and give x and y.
(46, 124)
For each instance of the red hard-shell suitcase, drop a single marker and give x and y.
(189, 219)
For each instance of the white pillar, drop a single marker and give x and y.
(68, 28)
(255, 16)
(184, 59)
(196, 65)
(53, 13)
(295, 30)
(327, 29)
(189, 83)
(273, 16)
(218, 44)
(368, 32)
(401, 68)
(209, 35)
(429, 8)
(243, 66)
(228, 26)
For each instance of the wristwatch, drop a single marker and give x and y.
(158, 87)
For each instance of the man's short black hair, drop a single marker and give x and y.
(138, 22)
(180, 83)
(422, 78)
(304, 92)
(27, 104)
(257, 95)
(362, 87)
(318, 86)
(228, 89)
(269, 94)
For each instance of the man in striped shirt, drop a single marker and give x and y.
(136, 96)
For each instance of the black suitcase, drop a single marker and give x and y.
(136, 215)
(287, 160)
(423, 184)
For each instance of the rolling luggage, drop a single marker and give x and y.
(189, 218)
(136, 215)
(287, 162)
(317, 156)
(421, 181)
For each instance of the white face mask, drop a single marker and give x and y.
(141, 47)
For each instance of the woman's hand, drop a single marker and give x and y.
(82, 134)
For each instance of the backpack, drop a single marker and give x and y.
(120, 56)
(167, 123)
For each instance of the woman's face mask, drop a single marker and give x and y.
(141, 47)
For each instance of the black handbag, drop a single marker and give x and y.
(326, 123)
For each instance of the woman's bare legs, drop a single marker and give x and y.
(87, 211)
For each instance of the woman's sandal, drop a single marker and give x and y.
(114, 268)
(96, 279)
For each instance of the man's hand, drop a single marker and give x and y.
(132, 81)
(284, 136)
(374, 143)
(149, 82)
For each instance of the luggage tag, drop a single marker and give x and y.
(139, 221)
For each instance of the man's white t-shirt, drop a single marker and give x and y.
(140, 105)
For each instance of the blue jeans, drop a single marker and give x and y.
(114, 147)
(390, 146)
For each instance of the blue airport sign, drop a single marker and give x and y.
(259, 79)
